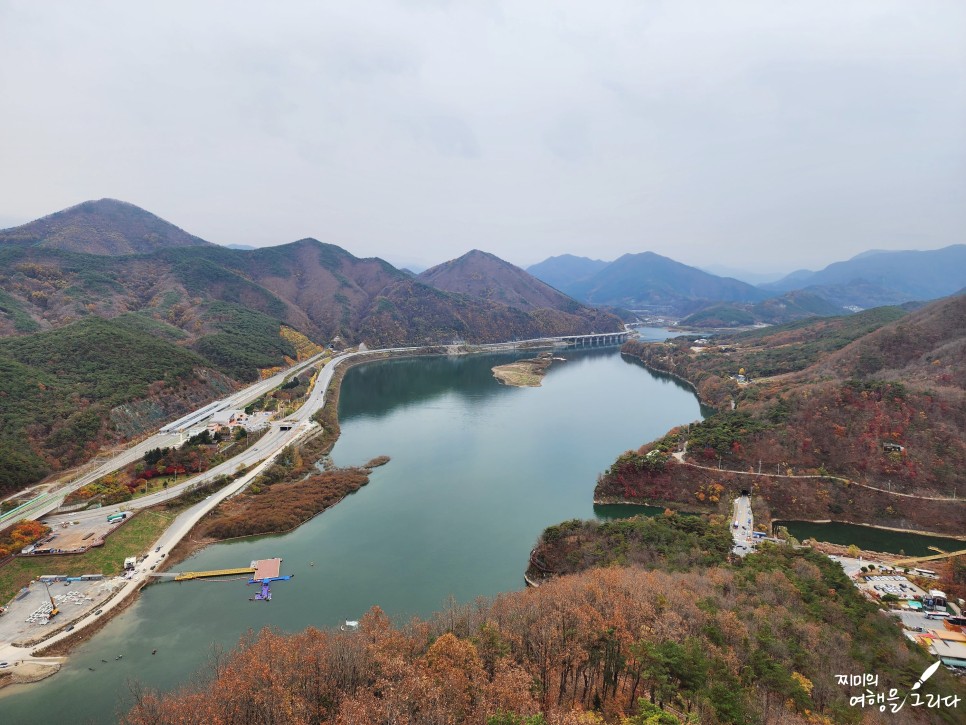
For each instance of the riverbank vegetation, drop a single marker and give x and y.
(273, 506)
(293, 489)
(756, 642)
(883, 409)
(674, 542)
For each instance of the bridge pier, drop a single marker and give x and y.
(595, 340)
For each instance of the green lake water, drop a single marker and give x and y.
(478, 470)
(871, 539)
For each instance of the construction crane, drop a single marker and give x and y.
(53, 607)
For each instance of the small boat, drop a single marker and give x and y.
(350, 625)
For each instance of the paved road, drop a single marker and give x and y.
(47, 502)
(742, 526)
(263, 454)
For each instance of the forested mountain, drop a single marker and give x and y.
(788, 307)
(877, 398)
(678, 636)
(193, 320)
(47, 280)
(488, 278)
(879, 277)
(565, 270)
(106, 226)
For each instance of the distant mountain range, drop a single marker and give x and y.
(656, 284)
(645, 281)
(566, 270)
(108, 257)
(113, 320)
(878, 277)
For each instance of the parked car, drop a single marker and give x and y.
(98, 612)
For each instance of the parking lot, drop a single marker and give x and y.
(74, 533)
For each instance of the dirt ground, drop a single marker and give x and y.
(21, 674)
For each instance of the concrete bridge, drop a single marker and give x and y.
(595, 339)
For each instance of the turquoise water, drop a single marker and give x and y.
(478, 470)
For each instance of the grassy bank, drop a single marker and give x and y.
(134, 537)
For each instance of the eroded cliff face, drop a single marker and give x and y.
(141, 416)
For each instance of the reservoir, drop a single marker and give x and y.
(872, 539)
(478, 470)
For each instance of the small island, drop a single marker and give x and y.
(525, 373)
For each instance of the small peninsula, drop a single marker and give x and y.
(524, 373)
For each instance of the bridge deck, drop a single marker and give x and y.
(182, 576)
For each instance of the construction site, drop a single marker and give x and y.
(52, 603)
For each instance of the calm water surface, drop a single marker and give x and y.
(478, 470)
(870, 539)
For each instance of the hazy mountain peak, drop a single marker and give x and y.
(885, 277)
(103, 226)
(564, 270)
(485, 276)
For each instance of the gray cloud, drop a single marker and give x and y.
(753, 133)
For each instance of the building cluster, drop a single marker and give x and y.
(936, 623)
(227, 419)
(948, 643)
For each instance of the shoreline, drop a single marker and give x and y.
(528, 373)
(188, 546)
(651, 368)
(955, 537)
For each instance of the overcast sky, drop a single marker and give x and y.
(760, 135)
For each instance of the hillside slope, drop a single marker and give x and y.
(487, 277)
(758, 641)
(877, 398)
(48, 280)
(63, 391)
(107, 226)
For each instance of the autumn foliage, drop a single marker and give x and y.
(883, 408)
(759, 642)
(20, 535)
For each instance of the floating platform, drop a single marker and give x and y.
(185, 575)
(266, 570)
(270, 579)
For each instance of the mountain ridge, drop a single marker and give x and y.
(106, 227)
(889, 276)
